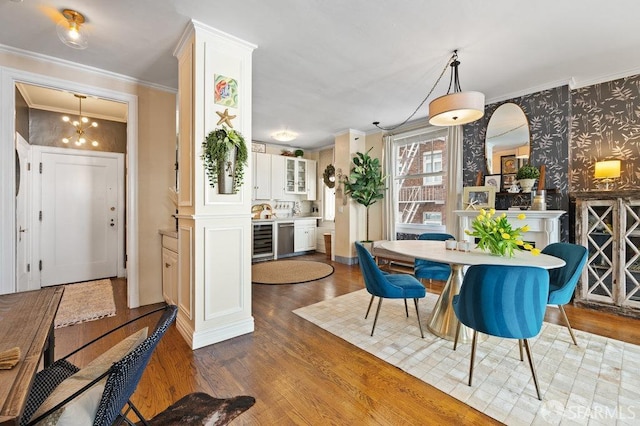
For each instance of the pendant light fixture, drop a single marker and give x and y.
(451, 109)
(70, 29)
(79, 138)
(458, 107)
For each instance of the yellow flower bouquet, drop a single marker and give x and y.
(498, 236)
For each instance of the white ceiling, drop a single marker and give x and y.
(323, 66)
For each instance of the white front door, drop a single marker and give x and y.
(80, 211)
(23, 201)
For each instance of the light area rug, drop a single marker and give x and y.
(289, 271)
(597, 382)
(87, 301)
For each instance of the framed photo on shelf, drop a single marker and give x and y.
(493, 180)
(508, 180)
(508, 164)
(479, 197)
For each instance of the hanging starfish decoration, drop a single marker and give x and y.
(225, 117)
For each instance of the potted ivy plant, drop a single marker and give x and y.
(225, 155)
(526, 176)
(365, 183)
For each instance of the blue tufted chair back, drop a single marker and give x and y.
(503, 301)
(374, 279)
(432, 270)
(563, 281)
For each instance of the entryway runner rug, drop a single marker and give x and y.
(596, 382)
(289, 271)
(87, 301)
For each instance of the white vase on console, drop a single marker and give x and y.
(526, 184)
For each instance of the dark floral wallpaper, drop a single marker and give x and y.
(547, 112)
(605, 125)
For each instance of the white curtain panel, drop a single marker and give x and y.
(388, 206)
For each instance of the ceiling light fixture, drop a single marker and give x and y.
(458, 107)
(79, 125)
(284, 136)
(70, 29)
(451, 109)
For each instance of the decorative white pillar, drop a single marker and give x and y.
(214, 230)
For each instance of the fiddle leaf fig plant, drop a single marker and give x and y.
(216, 148)
(365, 184)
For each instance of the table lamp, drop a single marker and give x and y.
(607, 171)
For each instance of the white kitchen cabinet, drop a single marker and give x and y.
(170, 269)
(608, 224)
(277, 177)
(261, 176)
(295, 176)
(312, 181)
(304, 236)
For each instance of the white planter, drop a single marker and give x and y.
(526, 184)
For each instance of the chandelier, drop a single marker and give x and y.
(81, 124)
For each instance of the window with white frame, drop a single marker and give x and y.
(432, 163)
(419, 178)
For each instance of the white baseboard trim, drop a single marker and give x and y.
(225, 332)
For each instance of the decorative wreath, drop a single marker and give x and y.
(329, 172)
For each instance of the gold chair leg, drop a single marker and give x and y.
(415, 301)
(520, 346)
(566, 321)
(533, 368)
(376, 318)
(369, 308)
(455, 341)
(406, 308)
(474, 343)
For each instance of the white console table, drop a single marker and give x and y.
(544, 225)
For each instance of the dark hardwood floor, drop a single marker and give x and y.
(299, 373)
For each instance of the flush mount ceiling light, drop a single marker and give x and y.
(284, 136)
(79, 138)
(453, 108)
(458, 107)
(70, 29)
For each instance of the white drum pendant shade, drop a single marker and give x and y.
(456, 108)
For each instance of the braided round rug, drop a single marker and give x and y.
(289, 271)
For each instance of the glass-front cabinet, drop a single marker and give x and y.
(296, 176)
(608, 224)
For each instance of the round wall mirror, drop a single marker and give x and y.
(508, 137)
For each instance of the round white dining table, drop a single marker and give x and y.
(443, 321)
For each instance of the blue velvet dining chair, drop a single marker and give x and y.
(503, 301)
(388, 286)
(563, 281)
(426, 269)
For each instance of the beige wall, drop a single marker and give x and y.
(156, 151)
(156, 159)
(375, 143)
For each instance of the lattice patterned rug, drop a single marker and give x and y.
(596, 382)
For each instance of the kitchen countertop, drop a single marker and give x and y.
(287, 219)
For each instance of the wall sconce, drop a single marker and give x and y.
(607, 171)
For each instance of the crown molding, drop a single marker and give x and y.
(77, 66)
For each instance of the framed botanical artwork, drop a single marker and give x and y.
(477, 197)
(508, 164)
(493, 180)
